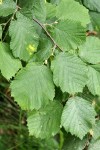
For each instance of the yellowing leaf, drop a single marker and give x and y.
(0, 2)
(91, 132)
(31, 49)
(93, 103)
(22, 35)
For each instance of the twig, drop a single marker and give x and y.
(48, 34)
(9, 99)
(91, 33)
(8, 22)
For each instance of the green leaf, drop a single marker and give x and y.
(33, 86)
(24, 39)
(8, 64)
(96, 67)
(45, 122)
(93, 5)
(39, 10)
(86, 94)
(74, 143)
(96, 130)
(96, 103)
(94, 145)
(95, 20)
(90, 50)
(78, 116)
(80, 1)
(26, 3)
(7, 7)
(0, 31)
(69, 73)
(36, 9)
(93, 81)
(55, 1)
(44, 50)
(50, 11)
(69, 9)
(49, 144)
(68, 34)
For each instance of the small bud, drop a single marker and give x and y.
(93, 103)
(91, 132)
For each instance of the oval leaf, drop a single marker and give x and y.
(33, 86)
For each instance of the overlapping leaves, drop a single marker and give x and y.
(8, 64)
(33, 86)
(94, 145)
(96, 130)
(78, 116)
(93, 5)
(90, 50)
(72, 142)
(60, 25)
(79, 13)
(24, 39)
(7, 7)
(93, 80)
(69, 73)
(45, 122)
(69, 34)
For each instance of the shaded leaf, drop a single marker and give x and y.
(44, 50)
(0, 31)
(50, 11)
(8, 64)
(74, 143)
(96, 130)
(49, 144)
(33, 8)
(55, 1)
(95, 19)
(94, 145)
(7, 7)
(93, 5)
(45, 122)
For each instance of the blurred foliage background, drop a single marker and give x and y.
(13, 129)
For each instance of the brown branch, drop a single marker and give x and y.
(48, 34)
(91, 33)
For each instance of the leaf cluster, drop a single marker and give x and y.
(50, 54)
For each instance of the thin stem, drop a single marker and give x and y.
(48, 34)
(16, 2)
(9, 99)
(9, 21)
(61, 140)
